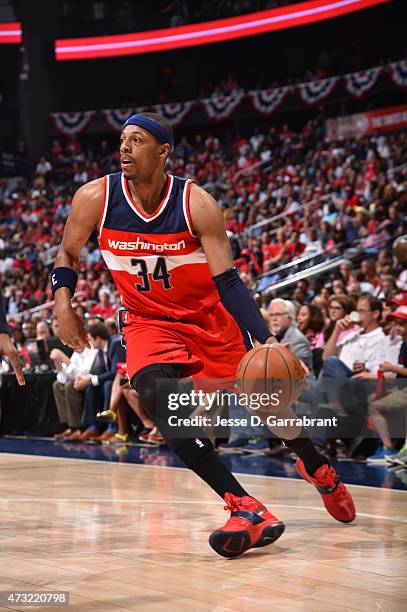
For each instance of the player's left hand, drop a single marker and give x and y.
(273, 340)
(71, 330)
(8, 349)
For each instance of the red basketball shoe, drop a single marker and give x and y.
(251, 525)
(336, 497)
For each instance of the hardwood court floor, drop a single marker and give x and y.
(129, 537)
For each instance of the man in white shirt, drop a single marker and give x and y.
(346, 376)
(361, 350)
(70, 401)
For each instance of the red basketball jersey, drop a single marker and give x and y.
(157, 262)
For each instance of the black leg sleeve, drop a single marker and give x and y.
(197, 453)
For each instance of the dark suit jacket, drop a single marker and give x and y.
(116, 353)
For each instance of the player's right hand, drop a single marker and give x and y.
(271, 340)
(71, 330)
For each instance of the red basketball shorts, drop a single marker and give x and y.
(210, 345)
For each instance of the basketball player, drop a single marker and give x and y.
(7, 348)
(164, 241)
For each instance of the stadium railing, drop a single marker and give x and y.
(353, 252)
(293, 263)
(40, 308)
(320, 268)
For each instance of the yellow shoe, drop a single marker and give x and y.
(106, 416)
(118, 439)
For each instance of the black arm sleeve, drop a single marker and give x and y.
(4, 328)
(238, 301)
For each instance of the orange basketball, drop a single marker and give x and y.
(274, 370)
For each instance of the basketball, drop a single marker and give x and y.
(274, 370)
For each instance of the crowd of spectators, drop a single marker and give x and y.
(327, 197)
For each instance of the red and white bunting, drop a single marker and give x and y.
(72, 123)
(115, 117)
(314, 92)
(357, 84)
(266, 101)
(398, 73)
(219, 107)
(175, 112)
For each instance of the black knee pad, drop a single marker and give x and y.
(150, 385)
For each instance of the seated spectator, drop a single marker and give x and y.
(247, 263)
(338, 307)
(382, 408)
(124, 396)
(323, 305)
(338, 287)
(387, 287)
(379, 239)
(52, 341)
(313, 244)
(282, 317)
(93, 255)
(299, 297)
(345, 269)
(361, 350)
(354, 284)
(310, 321)
(43, 166)
(43, 331)
(356, 358)
(69, 401)
(98, 384)
(303, 283)
(112, 327)
(92, 320)
(265, 246)
(105, 309)
(368, 269)
(29, 330)
(293, 247)
(276, 251)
